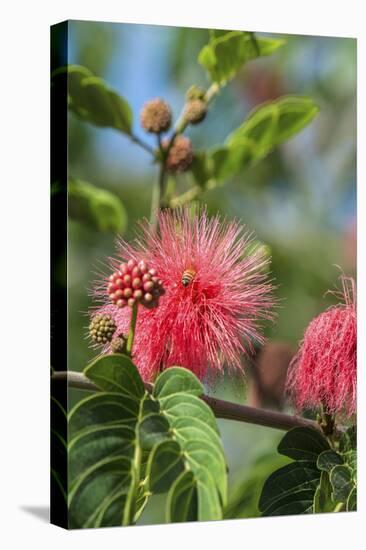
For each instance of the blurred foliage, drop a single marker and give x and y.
(225, 53)
(96, 207)
(245, 495)
(300, 200)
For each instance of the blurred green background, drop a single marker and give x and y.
(301, 200)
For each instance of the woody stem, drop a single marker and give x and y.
(221, 408)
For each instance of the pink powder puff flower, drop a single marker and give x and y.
(216, 293)
(323, 372)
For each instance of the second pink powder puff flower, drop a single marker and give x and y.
(323, 372)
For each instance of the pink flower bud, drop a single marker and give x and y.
(127, 279)
(127, 293)
(136, 283)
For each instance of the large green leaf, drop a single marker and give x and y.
(93, 100)
(303, 444)
(96, 207)
(126, 444)
(290, 490)
(226, 53)
(104, 458)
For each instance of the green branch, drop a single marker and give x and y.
(131, 332)
(142, 144)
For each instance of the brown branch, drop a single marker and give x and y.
(221, 409)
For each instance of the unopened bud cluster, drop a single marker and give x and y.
(118, 344)
(156, 116)
(195, 111)
(102, 329)
(180, 156)
(135, 283)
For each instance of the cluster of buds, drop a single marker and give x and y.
(102, 329)
(195, 109)
(118, 344)
(180, 155)
(156, 116)
(135, 283)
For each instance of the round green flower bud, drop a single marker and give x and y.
(156, 116)
(195, 111)
(102, 329)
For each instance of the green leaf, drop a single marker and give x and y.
(352, 501)
(116, 373)
(153, 429)
(303, 444)
(104, 456)
(328, 459)
(342, 482)
(98, 208)
(186, 405)
(273, 123)
(190, 423)
(290, 490)
(348, 440)
(177, 380)
(201, 168)
(102, 409)
(165, 465)
(93, 100)
(226, 53)
(266, 127)
(209, 505)
(182, 503)
(323, 502)
(350, 457)
(228, 161)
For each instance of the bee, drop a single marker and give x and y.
(188, 276)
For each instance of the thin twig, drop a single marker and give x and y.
(186, 197)
(221, 409)
(142, 144)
